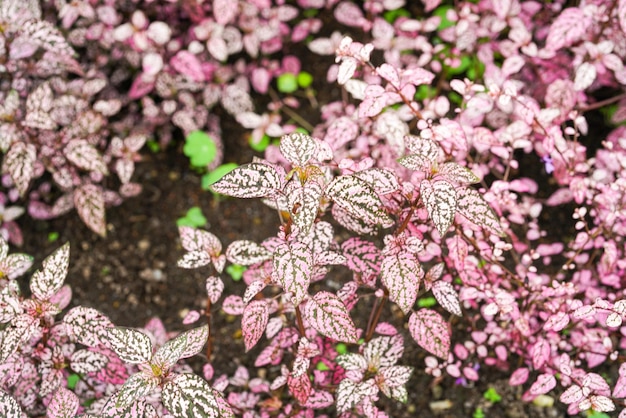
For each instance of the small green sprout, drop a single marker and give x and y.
(492, 395)
(235, 271)
(193, 218)
(200, 148)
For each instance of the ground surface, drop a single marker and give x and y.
(131, 276)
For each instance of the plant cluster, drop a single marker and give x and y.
(461, 130)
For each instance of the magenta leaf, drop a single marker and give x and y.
(298, 148)
(544, 384)
(9, 407)
(85, 156)
(431, 332)
(519, 376)
(19, 163)
(249, 180)
(189, 396)
(326, 313)
(254, 321)
(358, 198)
(89, 202)
(246, 253)
(49, 280)
(440, 200)
(64, 403)
(472, 206)
(300, 387)
(401, 274)
(447, 297)
(86, 326)
(131, 345)
(292, 269)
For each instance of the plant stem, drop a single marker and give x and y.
(209, 341)
(375, 316)
(300, 322)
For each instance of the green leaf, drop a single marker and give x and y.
(287, 83)
(200, 148)
(194, 218)
(53, 236)
(72, 380)
(442, 12)
(427, 302)
(261, 145)
(391, 15)
(305, 79)
(235, 271)
(492, 395)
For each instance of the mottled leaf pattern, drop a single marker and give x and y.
(214, 288)
(350, 393)
(329, 316)
(292, 269)
(254, 321)
(139, 408)
(298, 148)
(85, 156)
(87, 361)
(384, 351)
(300, 387)
(401, 274)
(190, 396)
(358, 198)
(440, 200)
(19, 163)
(249, 180)
(362, 256)
(305, 204)
(136, 386)
(9, 407)
(447, 297)
(352, 361)
(245, 253)
(86, 326)
(544, 384)
(458, 174)
(49, 280)
(64, 404)
(89, 202)
(194, 340)
(431, 332)
(383, 181)
(193, 239)
(131, 345)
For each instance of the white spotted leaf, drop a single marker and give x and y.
(138, 408)
(86, 326)
(358, 198)
(193, 239)
(384, 351)
(292, 269)
(9, 407)
(190, 396)
(249, 180)
(89, 202)
(440, 200)
(214, 288)
(194, 340)
(136, 386)
(64, 404)
(131, 345)
(447, 297)
(401, 274)
(472, 206)
(85, 156)
(253, 289)
(350, 393)
(87, 361)
(456, 173)
(305, 204)
(245, 253)
(19, 163)
(431, 332)
(298, 148)
(254, 322)
(47, 281)
(329, 316)
(383, 181)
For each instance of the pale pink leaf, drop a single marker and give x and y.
(601, 403)
(193, 239)
(447, 297)
(621, 14)
(292, 269)
(519, 376)
(352, 361)
(350, 393)
(136, 386)
(131, 345)
(383, 181)
(619, 391)
(253, 289)
(416, 76)
(89, 202)
(298, 148)
(440, 200)
(233, 305)
(384, 351)
(86, 326)
(347, 69)
(85, 156)
(194, 259)
(389, 73)
(9, 407)
(472, 206)
(358, 198)
(187, 64)
(300, 387)
(572, 394)
(568, 27)
(456, 173)
(188, 395)
(362, 256)
(328, 315)
(584, 312)
(540, 353)
(245, 253)
(254, 321)
(214, 288)
(614, 320)
(431, 332)
(557, 322)
(585, 76)
(64, 403)
(401, 274)
(225, 11)
(349, 14)
(87, 361)
(393, 377)
(19, 163)
(47, 281)
(114, 409)
(433, 275)
(544, 384)
(426, 150)
(319, 399)
(305, 204)
(249, 180)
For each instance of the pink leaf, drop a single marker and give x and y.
(49, 280)
(253, 289)
(292, 269)
(142, 85)
(544, 384)
(85, 156)
(350, 393)
(298, 148)
(585, 76)
(358, 198)
(384, 351)
(447, 297)
(519, 376)
(619, 391)
(431, 332)
(584, 312)
(319, 400)
(352, 361)
(249, 180)
(621, 14)
(86, 326)
(556, 322)
(254, 321)
(328, 315)
(300, 387)
(233, 305)
(225, 11)
(401, 274)
(64, 403)
(186, 63)
(246, 253)
(572, 394)
(383, 181)
(568, 27)
(472, 206)
(440, 200)
(540, 353)
(456, 173)
(19, 163)
(214, 288)
(363, 257)
(389, 73)
(89, 202)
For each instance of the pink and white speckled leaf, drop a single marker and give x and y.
(568, 27)
(584, 312)
(292, 269)
(252, 290)
(90, 205)
(193, 239)
(425, 150)
(384, 351)
(47, 281)
(352, 361)
(9, 407)
(233, 305)
(298, 148)
(319, 399)
(447, 297)
(351, 222)
(19, 163)
(393, 377)
(585, 76)
(383, 181)
(64, 404)
(300, 387)
(519, 376)
(254, 321)
(472, 206)
(214, 288)
(540, 353)
(274, 325)
(350, 393)
(136, 386)
(87, 361)
(544, 384)
(599, 403)
(305, 205)
(194, 340)
(456, 173)
(86, 326)
(440, 200)
(85, 156)
(131, 345)
(13, 266)
(326, 313)
(249, 180)
(401, 274)
(431, 332)
(619, 390)
(225, 11)
(190, 396)
(358, 198)
(433, 275)
(362, 256)
(138, 409)
(556, 322)
(246, 253)
(194, 259)
(187, 64)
